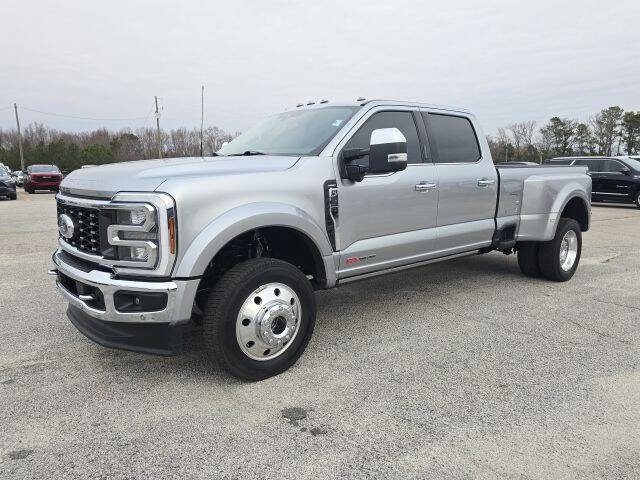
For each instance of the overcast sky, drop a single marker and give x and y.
(506, 60)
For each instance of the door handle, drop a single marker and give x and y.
(485, 183)
(425, 187)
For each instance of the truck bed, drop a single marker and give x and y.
(532, 196)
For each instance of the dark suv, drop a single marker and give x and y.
(7, 183)
(614, 179)
(42, 177)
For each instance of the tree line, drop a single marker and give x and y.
(69, 150)
(611, 131)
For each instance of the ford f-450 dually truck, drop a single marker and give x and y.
(233, 246)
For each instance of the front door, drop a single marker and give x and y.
(386, 220)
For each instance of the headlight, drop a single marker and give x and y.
(135, 234)
(144, 233)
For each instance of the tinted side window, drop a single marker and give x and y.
(592, 165)
(454, 138)
(403, 121)
(612, 166)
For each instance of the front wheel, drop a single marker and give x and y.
(259, 318)
(637, 201)
(558, 259)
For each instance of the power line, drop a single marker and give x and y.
(77, 117)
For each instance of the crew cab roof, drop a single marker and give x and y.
(376, 103)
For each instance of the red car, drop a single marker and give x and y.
(42, 177)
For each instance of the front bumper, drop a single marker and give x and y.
(180, 293)
(155, 338)
(4, 190)
(44, 185)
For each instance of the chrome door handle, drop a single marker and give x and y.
(425, 187)
(485, 183)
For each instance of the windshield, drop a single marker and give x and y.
(633, 163)
(3, 172)
(302, 132)
(44, 169)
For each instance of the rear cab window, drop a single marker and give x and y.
(453, 138)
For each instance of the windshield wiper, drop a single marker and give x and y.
(246, 153)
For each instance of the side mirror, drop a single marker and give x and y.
(626, 170)
(387, 151)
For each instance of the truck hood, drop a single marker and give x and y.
(147, 175)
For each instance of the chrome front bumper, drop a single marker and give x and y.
(181, 295)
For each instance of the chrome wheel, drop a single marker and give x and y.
(268, 321)
(568, 250)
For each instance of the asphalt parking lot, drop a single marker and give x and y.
(463, 369)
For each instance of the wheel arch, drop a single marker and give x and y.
(241, 220)
(577, 208)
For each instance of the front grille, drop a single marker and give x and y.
(87, 238)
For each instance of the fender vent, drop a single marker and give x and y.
(331, 209)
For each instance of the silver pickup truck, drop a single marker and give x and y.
(232, 246)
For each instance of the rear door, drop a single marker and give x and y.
(386, 220)
(467, 183)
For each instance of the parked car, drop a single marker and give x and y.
(615, 179)
(18, 175)
(42, 177)
(503, 164)
(7, 184)
(311, 198)
(559, 161)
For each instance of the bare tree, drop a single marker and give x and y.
(522, 133)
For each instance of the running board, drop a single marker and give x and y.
(401, 268)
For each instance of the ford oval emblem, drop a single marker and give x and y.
(66, 226)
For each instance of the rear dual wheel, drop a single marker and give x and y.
(555, 260)
(259, 318)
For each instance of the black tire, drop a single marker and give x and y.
(549, 252)
(13, 197)
(528, 259)
(637, 201)
(28, 190)
(224, 303)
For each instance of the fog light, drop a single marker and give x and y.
(140, 301)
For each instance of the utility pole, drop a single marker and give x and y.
(15, 107)
(201, 120)
(158, 127)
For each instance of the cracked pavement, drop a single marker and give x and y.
(464, 369)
